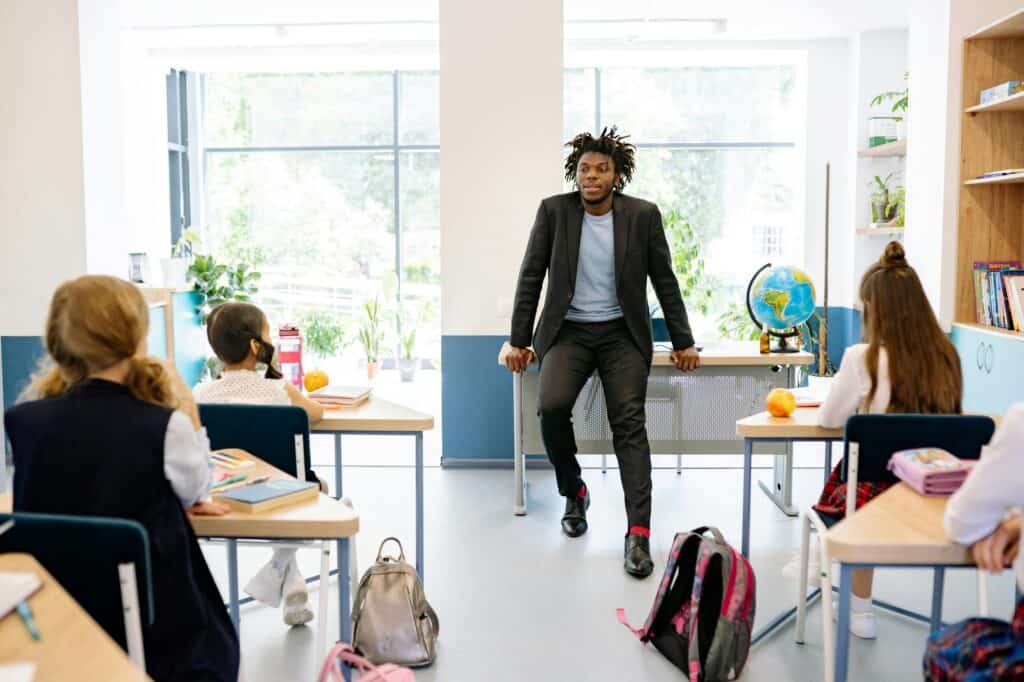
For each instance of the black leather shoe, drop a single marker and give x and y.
(638, 561)
(574, 521)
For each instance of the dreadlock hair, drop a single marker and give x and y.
(609, 143)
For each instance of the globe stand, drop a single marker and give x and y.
(782, 344)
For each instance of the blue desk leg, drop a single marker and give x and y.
(828, 459)
(337, 466)
(748, 464)
(344, 631)
(938, 582)
(233, 584)
(843, 625)
(419, 503)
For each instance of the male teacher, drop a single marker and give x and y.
(598, 247)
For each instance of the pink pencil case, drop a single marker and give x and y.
(930, 471)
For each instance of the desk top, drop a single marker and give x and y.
(720, 354)
(323, 517)
(72, 647)
(897, 527)
(802, 424)
(376, 414)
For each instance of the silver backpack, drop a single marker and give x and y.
(391, 619)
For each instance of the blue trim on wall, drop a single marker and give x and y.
(19, 357)
(476, 399)
(844, 330)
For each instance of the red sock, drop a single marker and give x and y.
(583, 491)
(640, 530)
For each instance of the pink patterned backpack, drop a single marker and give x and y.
(344, 654)
(703, 614)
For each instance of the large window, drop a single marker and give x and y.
(177, 152)
(719, 146)
(330, 183)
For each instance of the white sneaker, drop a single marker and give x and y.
(863, 625)
(266, 585)
(297, 615)
(294, 589)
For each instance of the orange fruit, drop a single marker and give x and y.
(780, 403)
(315, 379)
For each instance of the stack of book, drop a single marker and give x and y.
(999, 294)
(341, 395)
(930, 471)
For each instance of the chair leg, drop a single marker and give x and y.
(353, 562)
(679, 465)
(829, 627)
(324, 591)
(801, 596)
(982, 594)
(604, 464)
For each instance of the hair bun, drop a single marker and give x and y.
(894, 256)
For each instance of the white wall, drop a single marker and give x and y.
(42, 228)
(501, 129)
(937, 29)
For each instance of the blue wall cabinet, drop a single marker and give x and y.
(993, 367)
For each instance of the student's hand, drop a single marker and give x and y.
(518, 359)
(183, 394)
(1000, 548)
(208, 508)
(686, 360)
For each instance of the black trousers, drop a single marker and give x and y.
(609, 348)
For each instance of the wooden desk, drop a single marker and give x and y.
(73, 646)
(731, 383)
(899, 528)
(762, 427)
(380, 417)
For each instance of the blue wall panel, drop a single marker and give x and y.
(476, 399)
(19, 358)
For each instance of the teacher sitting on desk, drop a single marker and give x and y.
(598, 247)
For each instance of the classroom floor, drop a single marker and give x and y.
(519, 601)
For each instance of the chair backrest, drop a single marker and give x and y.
(277, 434)
(877, 436)
(89, 556)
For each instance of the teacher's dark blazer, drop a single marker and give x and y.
(641, 251)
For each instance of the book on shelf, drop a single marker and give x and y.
(341, 395)
(1001, 173)
(1013, 283)
(994, 297)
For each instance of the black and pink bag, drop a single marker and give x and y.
(703, 614)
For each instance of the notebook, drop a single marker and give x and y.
(341, 395)
(16, 588)
(930, 471)
(261, 497)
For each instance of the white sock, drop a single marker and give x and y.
(282, 557)
(860, 604)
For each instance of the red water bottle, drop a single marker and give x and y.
(289, 353)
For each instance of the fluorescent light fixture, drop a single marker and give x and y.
(641, 30)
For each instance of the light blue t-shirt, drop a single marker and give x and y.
(595, 298)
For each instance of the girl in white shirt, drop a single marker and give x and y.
(907, 365)
(984, 514)
(239, 334)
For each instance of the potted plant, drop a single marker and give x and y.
(899, 106)
(372, 335)
(882, 210)
(405, 325)
(175, 268)
(218, 282)
(898, 206)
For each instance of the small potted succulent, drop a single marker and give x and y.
(405, 325)
(371, 335)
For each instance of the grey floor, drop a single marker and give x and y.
(519, 601)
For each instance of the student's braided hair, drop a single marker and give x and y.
(610, 143)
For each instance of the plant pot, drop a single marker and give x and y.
(880, 211)
(175, 272)
(407, 368)
(372, 370)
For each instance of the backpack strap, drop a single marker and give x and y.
(717, 534)
(621, 615)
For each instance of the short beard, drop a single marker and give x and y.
(595, 202)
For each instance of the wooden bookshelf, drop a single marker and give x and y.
(991, 212)
(1011, 103)
(891, 231)
(897, 148)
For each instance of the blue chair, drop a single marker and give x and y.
(103, 563)
(277, 434)
(870, 441)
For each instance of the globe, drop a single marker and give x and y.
(780, 297)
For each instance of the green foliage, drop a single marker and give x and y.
(407, 322)
(901, 97)
(422, 273)
(898, 204)
(218, 282)
(735, 323)
(695, 285)
(371, 333)
(323, 332)
(881, 187)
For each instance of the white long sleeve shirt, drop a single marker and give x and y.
(187, 462)
(994, 488)
(849, 390)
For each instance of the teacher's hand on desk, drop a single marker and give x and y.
(1000, 548)
(518, 359)
(686, 360)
